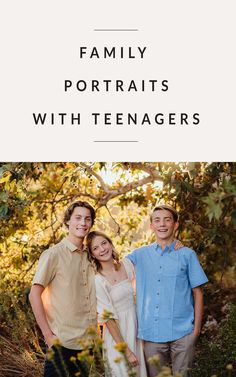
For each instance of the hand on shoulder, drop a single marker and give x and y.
(178, 245)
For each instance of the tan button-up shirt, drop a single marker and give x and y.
(69, 297)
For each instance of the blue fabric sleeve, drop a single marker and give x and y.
(196, 274)
(132, 257)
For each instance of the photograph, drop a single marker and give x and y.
(117, 269)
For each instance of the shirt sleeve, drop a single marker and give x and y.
(132, 257)
(129, 267)
(46, 270)
(197, 276)
(105, 307)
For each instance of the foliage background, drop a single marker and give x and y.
(33, 197)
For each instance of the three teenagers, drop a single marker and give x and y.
(168, 291)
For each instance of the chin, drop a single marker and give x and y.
(163, 236)
(81, 235)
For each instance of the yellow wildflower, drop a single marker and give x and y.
(121, 347)
(50, 354)
(106, 315)
(118, 360)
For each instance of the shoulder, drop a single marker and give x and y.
(127, 263)
(98, 278)
(129, 267)
(189, 256)
(52, 255)
(186, 251)
(144, 249)
(100, 282)
(137, 255)
(52, 251)
(101, 285)
(47, 266)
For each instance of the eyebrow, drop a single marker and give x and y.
(166, 217)
(86, 217)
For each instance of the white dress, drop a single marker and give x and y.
(119, 299)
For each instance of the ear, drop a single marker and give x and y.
(151, 226)
(176, 226)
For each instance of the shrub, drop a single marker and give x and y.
(218, 356)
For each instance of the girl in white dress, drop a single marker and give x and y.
(115, 294)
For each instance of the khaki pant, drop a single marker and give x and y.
(180, 352)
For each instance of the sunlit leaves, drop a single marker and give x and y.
(33, 197)
(214, 205)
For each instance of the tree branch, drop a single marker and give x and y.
(104, 186)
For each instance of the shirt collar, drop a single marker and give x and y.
(70, 245)
(168, 248)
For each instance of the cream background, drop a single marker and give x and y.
(189, 43)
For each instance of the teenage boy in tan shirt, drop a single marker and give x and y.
(63, 295)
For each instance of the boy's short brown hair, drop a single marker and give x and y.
(71, 208)
(167, 207)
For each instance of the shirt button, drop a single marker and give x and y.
(160, 267)
(159, 280)
(157, 307)
(158, 293)
(155, 320)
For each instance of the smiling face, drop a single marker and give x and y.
(101, 249)
(79, 223)
(164, 225)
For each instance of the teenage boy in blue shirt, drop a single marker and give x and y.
(169, 295)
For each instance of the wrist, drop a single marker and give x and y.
(128, 352)
(197, 331)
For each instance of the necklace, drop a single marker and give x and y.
(110, 277)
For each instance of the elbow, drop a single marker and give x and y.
(35, 293)
(31, 295)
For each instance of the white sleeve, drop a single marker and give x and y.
(104, 302)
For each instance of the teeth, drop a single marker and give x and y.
(101, 255)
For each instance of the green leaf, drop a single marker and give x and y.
(214, 206)
(4, 196)
(3, 211)
(234, 219)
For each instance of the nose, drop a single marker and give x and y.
(82, 221)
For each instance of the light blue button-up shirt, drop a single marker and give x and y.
(164, 282)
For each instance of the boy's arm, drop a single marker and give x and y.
(198, 309)
(39, 313)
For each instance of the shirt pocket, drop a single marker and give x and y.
(175, 269)
(182, 271)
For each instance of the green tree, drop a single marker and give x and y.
(33, 197)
